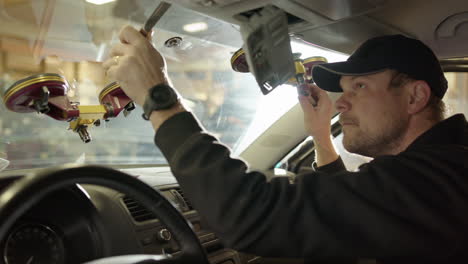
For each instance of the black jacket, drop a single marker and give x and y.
(410, 206)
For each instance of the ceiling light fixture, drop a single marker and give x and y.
(99, 2)
(195, 27)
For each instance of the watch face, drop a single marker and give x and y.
(162, 95)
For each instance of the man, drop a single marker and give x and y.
(409, 203)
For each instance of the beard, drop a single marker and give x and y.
(379, 142)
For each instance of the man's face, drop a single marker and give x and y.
(373, 115)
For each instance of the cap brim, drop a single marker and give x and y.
(327, 76)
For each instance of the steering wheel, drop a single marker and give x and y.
(21, 195)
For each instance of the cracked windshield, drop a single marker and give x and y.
(59, 107)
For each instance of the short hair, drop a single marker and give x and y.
(435, 104)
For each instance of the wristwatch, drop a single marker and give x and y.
(160, 96)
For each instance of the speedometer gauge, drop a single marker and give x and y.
(34, 244)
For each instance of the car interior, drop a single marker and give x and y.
(81, 180)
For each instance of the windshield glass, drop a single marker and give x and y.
(72, 37)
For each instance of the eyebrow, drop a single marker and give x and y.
(359, 76)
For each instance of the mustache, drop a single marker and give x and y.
(347, 120)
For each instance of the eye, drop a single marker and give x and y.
(360, 85)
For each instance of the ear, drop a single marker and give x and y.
(419, 95)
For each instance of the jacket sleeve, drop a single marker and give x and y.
(393, 207)
(330, 168)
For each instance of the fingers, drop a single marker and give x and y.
(111, 72)
(109, 63)
(311, 96)
(119, 49)
(310, 102)
(306, 104)
(315, 90)
(303, 89)
(116, 54)
(130, 35)
(147, 35)
(310, 88)
(135, 63)
(111, 66)
(150, 35)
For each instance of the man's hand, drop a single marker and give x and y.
(136, 65)
(317, 118)
(318, 109)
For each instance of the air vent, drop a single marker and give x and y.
(138, 212)
(189, 205)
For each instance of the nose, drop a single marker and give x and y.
(342, 104)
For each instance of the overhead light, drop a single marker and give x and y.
(195, 27)
(99, 2)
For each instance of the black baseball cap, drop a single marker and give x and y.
(397, 52)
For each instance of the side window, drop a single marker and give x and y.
(456, 98)
(351, 161)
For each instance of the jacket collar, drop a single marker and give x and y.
(453, 130)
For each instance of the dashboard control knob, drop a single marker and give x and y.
(164, 235)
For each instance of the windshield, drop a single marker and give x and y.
(73, 37)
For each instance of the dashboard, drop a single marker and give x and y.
(85, 222)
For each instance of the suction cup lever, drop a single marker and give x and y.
(42, 104)
(128, 108)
